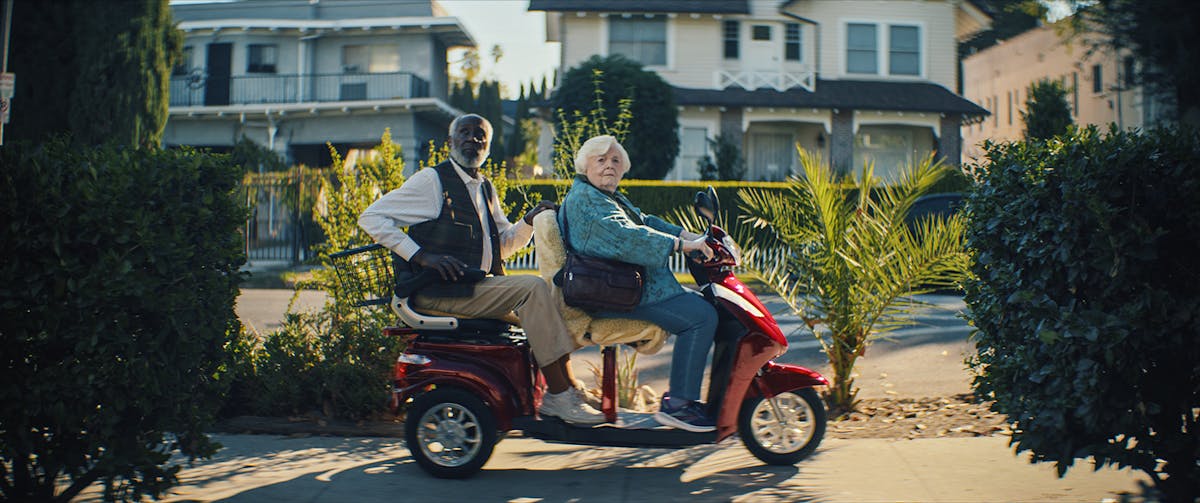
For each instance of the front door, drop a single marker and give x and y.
(218, 65)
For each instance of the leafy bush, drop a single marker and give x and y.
(1085, 299)
(119, 278)
(314, 362)
(728, 165)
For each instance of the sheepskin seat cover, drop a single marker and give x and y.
(646, 337)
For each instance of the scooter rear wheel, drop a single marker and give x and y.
(783, 429)
(450, 433)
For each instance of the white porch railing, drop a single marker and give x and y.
(777, 80)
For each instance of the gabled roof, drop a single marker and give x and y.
(844, 94)
(683, 6)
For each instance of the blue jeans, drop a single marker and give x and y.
(694, 323)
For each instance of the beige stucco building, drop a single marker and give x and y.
(1098, 82)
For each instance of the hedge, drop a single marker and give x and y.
(1086, 299)
(117, 291)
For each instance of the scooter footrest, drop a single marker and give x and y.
(552, 429)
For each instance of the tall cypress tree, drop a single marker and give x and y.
(100, 73)
(488, 105)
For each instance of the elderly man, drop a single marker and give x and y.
(455, 222)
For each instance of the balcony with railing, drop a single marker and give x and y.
(201, 89)
(756, 79)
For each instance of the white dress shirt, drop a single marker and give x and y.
(419, 199)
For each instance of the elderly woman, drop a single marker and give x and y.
(603, 223)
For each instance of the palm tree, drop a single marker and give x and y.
(852, 262)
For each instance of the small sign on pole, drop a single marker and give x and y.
(5, 104)
(8, 82)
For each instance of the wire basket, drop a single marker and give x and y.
(365, 274)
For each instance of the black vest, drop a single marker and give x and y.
(456, 231)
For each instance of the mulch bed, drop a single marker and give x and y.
(909, 418)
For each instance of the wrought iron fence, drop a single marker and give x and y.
(280, 229)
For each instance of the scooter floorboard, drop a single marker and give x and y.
(631, 430)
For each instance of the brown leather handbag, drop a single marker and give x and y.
(597, 284)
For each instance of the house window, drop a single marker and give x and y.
(732, 33)
(1010, 99)
(370, 59)
(1097, 79)
(761, 32)
(1130, 72)
(641, 39)
(1074, 93)
(904, 53)
(184, 65)
(995, 114)
(693, 146)
(791, 42)
(261, 58)
(861, 48)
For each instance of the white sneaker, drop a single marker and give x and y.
(570, 407)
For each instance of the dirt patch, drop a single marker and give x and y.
(955, 416)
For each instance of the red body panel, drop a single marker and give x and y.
(777, 378)
(501, 375)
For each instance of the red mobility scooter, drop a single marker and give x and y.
(466, 382)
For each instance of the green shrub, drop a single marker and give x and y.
(117, 289)
(1085, 299)
(314, 362)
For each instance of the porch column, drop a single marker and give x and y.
(731, 122)
(841, 141)
(949, 147)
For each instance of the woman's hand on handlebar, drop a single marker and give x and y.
(697, 249)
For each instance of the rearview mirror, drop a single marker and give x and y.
(707, 205)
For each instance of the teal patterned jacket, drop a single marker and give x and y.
(599, 228)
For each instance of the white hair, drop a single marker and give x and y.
(599, 145)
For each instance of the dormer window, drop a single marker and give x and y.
(642, 39)
(261, 58)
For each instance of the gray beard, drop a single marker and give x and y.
(458, 157)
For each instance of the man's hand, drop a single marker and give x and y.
(449, 267)
(541, 206)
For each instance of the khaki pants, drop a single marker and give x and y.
(529, 296)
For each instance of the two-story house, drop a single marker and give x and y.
(1101, 84)
(853, 80)
(295, 74)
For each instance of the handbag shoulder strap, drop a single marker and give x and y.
(566, 229)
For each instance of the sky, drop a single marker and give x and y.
(520, 33)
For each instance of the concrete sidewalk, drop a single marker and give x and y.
(263, 468)
(255, 468)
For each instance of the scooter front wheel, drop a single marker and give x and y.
(450, 433)
(783, 429)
